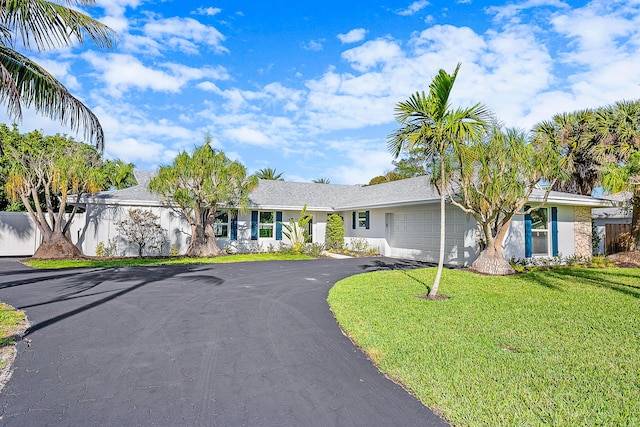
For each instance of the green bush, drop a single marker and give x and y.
(334, 238)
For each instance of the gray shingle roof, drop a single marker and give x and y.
(617, 212)
(324, 197)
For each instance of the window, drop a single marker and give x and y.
(540, 232)
(221, 226)
(363, 220)
(267, 224)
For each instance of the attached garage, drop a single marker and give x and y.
(414, 233)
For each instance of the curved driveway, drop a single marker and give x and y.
(248, 344)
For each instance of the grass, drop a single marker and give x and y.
(12, 322)
(129, 262)
(558, 347)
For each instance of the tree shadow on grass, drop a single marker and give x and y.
(616, 281)
(111, 283)
(404, 266)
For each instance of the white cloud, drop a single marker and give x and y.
(364, 161)
(353, 36)
(246, 135)
(511, 11)
(209, 11)
(185, 34)
(373, 53)
(313, 45)
(117, 7)
(121, 72)
(413, 8)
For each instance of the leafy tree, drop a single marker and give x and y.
(412, 164)
(142, 228)
(199, 184)
(387, 177)
(42, 172)
(430, 124)
(46, 25)
(297, 231)
(269, 174)
(493, 177)
(321, 181)
(334, 237)
(118, 174)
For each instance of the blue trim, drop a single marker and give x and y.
(278, 225)
(366, 220)
(554, 231)
(254, 225)
(528, 244)
(353, 220)
(234, 226)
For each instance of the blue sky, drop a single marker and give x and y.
(309, 87)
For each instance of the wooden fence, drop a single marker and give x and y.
(617, 238)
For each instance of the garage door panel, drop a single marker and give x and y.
(416, 234)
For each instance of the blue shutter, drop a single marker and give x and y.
(353, 220)
(278, 225)
(554, 231)
(234, 226)
(254, 225)
(366, 220)
(528, 249)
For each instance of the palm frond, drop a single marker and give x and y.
(47, 24)
(25, 83)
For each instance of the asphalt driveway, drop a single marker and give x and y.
(249, 344)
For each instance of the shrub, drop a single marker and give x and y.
(360, 245)
(313, 249)
(297, 231)
(108, 250)
(334, 239)
(141, 228)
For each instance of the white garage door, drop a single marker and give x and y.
(415, 234)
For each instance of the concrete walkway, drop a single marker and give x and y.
(250, 344)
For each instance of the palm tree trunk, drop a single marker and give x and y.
(434, 289)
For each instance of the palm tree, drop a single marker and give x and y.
(321, 181)
(269, 174)
(575, 137)
(23, 83)
(428, 122)
(618, 127)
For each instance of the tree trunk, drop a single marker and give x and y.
(203, 243)
(56, 245)
(434, 289)
(491, 260)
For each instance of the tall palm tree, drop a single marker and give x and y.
(429, 123)
(23, 83)
(321, 181)
(269, 174)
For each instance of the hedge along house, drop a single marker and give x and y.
(401, 219)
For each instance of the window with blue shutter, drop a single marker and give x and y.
(278, 225)
(234, 226)
(366, 220)
(554, 231)
(353, 220)
(254, 225)
(528, 249)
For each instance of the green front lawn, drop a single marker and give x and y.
(558, 347)
(129, 262)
